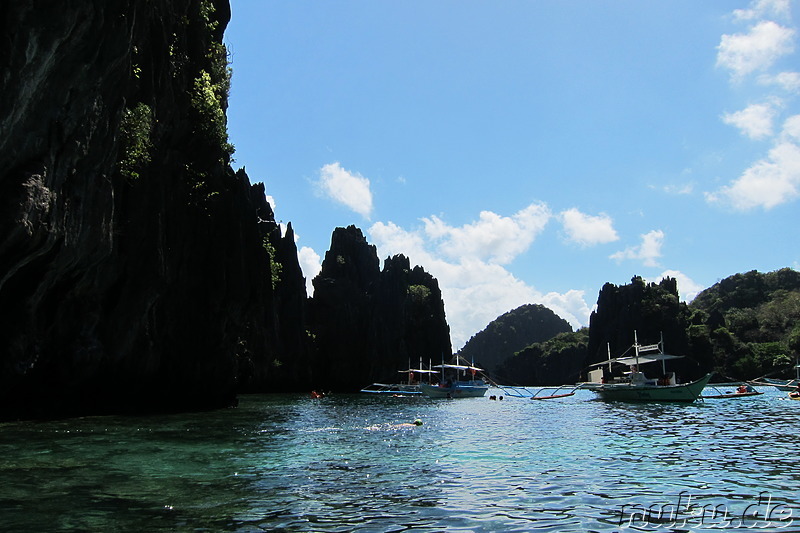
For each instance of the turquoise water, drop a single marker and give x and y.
(290, 463)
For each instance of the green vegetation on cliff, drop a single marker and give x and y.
(744, 327)
(750, 322)
(135, 129)
(556, 361)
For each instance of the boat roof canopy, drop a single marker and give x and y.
(459, 367)
(419, 370)
(640, 360)
(647, 358)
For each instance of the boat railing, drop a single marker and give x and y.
(539, 393)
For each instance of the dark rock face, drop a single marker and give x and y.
(369, 324)
(510, 333)
(651, 310)
(138, 271)
(133, 267)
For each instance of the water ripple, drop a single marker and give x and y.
(289, 463)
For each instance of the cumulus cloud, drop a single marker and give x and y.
(687, 287)
(744, 53)
(761, 8)
(769, 182)
(588, 230)
(788, 81)
(791, 129)
(755, 120)
(492, 237)
(571, 306)
(648, 251)
(310, 264)
(350, 189)
(774, 179)
(468, 263)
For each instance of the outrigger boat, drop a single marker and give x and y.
(458, 381)
(782, 384)
(410, 387)
(742, 391)
(634, 386)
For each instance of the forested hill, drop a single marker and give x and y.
(750, 322)
(510, 333)
(744, 327)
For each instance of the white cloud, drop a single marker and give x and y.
(760, 8)
(769, 182)
(571, 306)
(588, 230)
(310, 264)
(788, 81)
(755, 120)
(648, 251)
(775, 178)
(494, 238)
(791, 129)
(397, 240)
(756, 50)
(687, 288)
(467, 263)
(350, 189)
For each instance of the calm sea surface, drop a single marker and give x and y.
(290, 463)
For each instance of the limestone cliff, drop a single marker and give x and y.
(368, 323)
(649, 309)
(138, 271)
(135, 264)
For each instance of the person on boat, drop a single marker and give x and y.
(795, 393)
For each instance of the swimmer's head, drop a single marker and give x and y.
(417, 422)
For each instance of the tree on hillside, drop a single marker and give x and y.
(557, 361)
(753, 322)
(511, 332)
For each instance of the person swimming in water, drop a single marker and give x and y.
(417, 422)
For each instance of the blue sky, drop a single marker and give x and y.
(527, 151)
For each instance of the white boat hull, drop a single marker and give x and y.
(460, 390)
(392, 389)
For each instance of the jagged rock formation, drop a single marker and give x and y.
(136, 267)
(368, 324)
(650, 309)
(512, 332)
